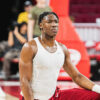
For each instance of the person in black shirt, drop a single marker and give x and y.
(17, 38)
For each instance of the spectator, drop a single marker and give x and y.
(23, 16)
(16, 40)
(5, 45)
(33, 27)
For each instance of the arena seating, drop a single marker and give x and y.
(90, 33)
(85, 10)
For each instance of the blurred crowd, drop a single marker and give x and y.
(20, 31)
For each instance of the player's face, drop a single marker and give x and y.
(49, 25)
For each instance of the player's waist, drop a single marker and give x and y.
(43, 92)
(40, 96)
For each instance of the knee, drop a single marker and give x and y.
(7, 56)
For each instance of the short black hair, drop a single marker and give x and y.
(21, 25)
(45, 14)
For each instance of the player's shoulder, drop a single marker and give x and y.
(28, 51)
(64, 48)
(30, 46)
(32, 42)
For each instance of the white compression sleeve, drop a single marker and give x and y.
(96, 88)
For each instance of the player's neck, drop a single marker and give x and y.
(47, 40)
(39, 5)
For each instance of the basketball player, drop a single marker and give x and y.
(40, 63)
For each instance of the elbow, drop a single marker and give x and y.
(10, 44)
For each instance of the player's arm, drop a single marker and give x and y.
(25, 70)
(76, 76)
(30, 32)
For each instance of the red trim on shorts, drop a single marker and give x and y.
(21, 98)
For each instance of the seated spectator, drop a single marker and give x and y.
(16, 40)
(23, 16)
(5, 45)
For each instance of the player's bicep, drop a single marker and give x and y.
(25, 63)
(25, 70)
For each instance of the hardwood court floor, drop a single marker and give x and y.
(9, 97)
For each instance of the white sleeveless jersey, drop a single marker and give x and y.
(46, 67)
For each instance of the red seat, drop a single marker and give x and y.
(85, 9)
(15, 60)
(84, 1)
(78, 20)
(1, 59)
(97, 15)
(75, 8)
(84, 18)
(95, 1)
(73, 1)
(98, 9)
